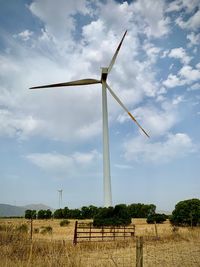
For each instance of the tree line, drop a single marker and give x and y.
(186, 213)
(138, 210)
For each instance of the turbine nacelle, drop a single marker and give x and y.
(104, 74)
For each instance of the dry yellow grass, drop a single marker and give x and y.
(179, 248)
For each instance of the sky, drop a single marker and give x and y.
(51, 139)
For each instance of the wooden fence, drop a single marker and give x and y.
(87, 232)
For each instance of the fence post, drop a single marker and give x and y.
(90, 231)
(156, 229)
(75, 233)
(139, 251)
(31, 232)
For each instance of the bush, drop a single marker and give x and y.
(117, 216)
(36, 230)
(186, 213)
(157, 217)
(46, 230)
(64, 223)
(23, 228)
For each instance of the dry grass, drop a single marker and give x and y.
(173, 248)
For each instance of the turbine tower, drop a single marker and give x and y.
(106, 154)
(60, 198)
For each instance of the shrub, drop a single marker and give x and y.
(36, 230)
(64, 223)
(23, 228)
(186, 213)
(157, 217)
(116, 216)
(46, 230)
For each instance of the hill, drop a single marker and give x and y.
(17, 211)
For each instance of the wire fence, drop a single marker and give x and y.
(155, 253)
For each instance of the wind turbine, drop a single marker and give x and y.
(103, 80)
(60, 197)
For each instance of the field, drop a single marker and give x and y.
(52, 246)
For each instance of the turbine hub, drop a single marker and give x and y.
(104, 73)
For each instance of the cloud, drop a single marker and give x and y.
(174, 146)
(189, 74)
(58, 18)
(186, 76)
(153, 18)
(193, 23)
(173, 81)
(123, 166)
(187, 5)
(180, 53)
(193, 38)
(25, 35)
(17, 125)
(157, 121)
(195, 86)
(60, 163)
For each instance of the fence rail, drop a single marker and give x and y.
(88, 232)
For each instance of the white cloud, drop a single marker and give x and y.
(180, 53)
(123, 166)
(174, 146)
(193, 38)
(186, 76)
(195, 86)
(189, 73)
(25, 35)
(177, 100)
(156, 121)
(151, 51)
(58, 17)
(193, 23)
(60, 163)
(17, 125)
(178, 5)
(153, 16)
(173, 81)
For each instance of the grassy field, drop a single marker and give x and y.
(52, 246)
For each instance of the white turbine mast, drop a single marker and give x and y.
(60, 198)
(105, 86)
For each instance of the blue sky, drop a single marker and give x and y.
(52, 139)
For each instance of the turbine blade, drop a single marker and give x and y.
(122, 105)
(116, 53)
(72, 83)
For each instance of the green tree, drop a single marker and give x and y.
(186, 213)
(30, 214)
(58, 214)
(157, 217)
(113, 216)
(41, 214)
(44, 214)
(138, 210)
(66, 213)
(48, 214)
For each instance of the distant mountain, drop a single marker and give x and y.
(15, 211)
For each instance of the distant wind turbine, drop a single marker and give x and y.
(60, 198)
(105, 86)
